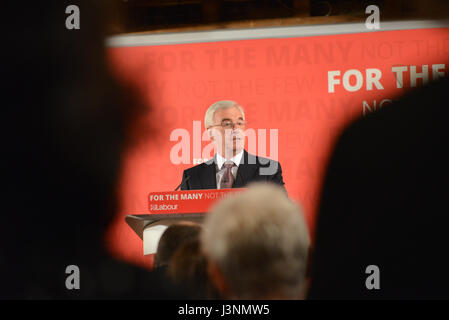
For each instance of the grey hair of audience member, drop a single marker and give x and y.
(259, 242)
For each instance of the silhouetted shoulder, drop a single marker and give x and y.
(383, 202)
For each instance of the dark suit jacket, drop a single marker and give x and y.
(385, 202)
(252, 168)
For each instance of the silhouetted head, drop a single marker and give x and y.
(172, 238)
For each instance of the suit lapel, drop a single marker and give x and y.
(208, 176)
(247, 169)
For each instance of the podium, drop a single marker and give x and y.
(169, 207)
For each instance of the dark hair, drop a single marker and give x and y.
(188, 269)
(172, 238)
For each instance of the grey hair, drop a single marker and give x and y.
(259, 240)
(223, 104)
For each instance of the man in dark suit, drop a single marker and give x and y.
(232, 166)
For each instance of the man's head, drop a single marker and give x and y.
(257, 244)
(226, 123)
(172, 238)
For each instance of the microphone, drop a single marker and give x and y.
(182, 182)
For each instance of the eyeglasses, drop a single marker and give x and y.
(228, 124)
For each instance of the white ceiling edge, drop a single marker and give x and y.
(137, 40)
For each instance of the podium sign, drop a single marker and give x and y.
(169, 207)
(189, 201)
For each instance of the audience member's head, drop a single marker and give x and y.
(68, 122)
(383, 216)
(257, 244)
(188, 270)
(173, 237)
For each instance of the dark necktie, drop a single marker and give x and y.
(228, 179)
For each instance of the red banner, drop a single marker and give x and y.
(298, 93)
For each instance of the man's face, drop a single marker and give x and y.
(226, 133)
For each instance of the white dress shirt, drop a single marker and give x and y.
(220, 170)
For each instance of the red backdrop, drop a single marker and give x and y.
(281, 83)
